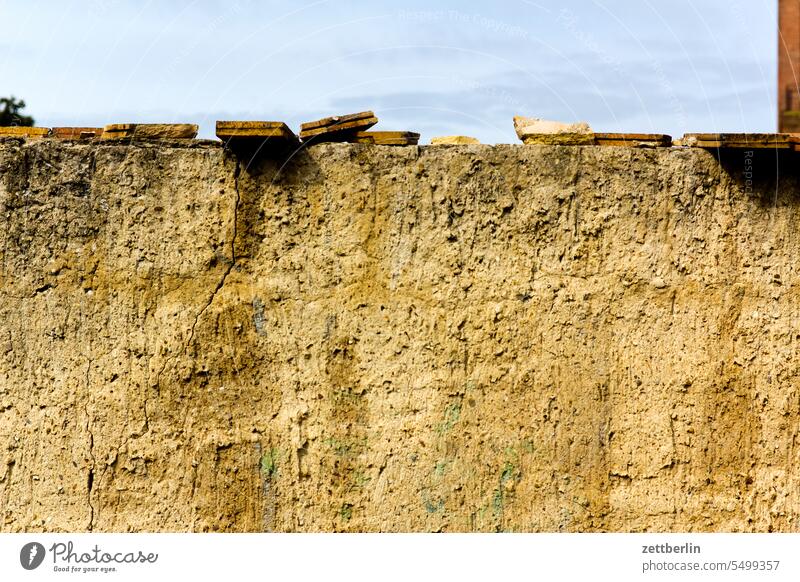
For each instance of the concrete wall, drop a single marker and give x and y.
(469, 338)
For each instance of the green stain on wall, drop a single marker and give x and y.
(346, 512)
(269, 463)
(451, 415)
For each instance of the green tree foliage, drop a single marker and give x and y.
(10, 112)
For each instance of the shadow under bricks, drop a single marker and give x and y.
(767, 175)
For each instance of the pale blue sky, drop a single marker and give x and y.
(439, 68)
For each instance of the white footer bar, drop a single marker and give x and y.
(415, 557)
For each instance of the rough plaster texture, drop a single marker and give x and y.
(472, 338)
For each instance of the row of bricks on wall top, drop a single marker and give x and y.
(353, 128)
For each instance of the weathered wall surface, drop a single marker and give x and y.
(460, 338)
